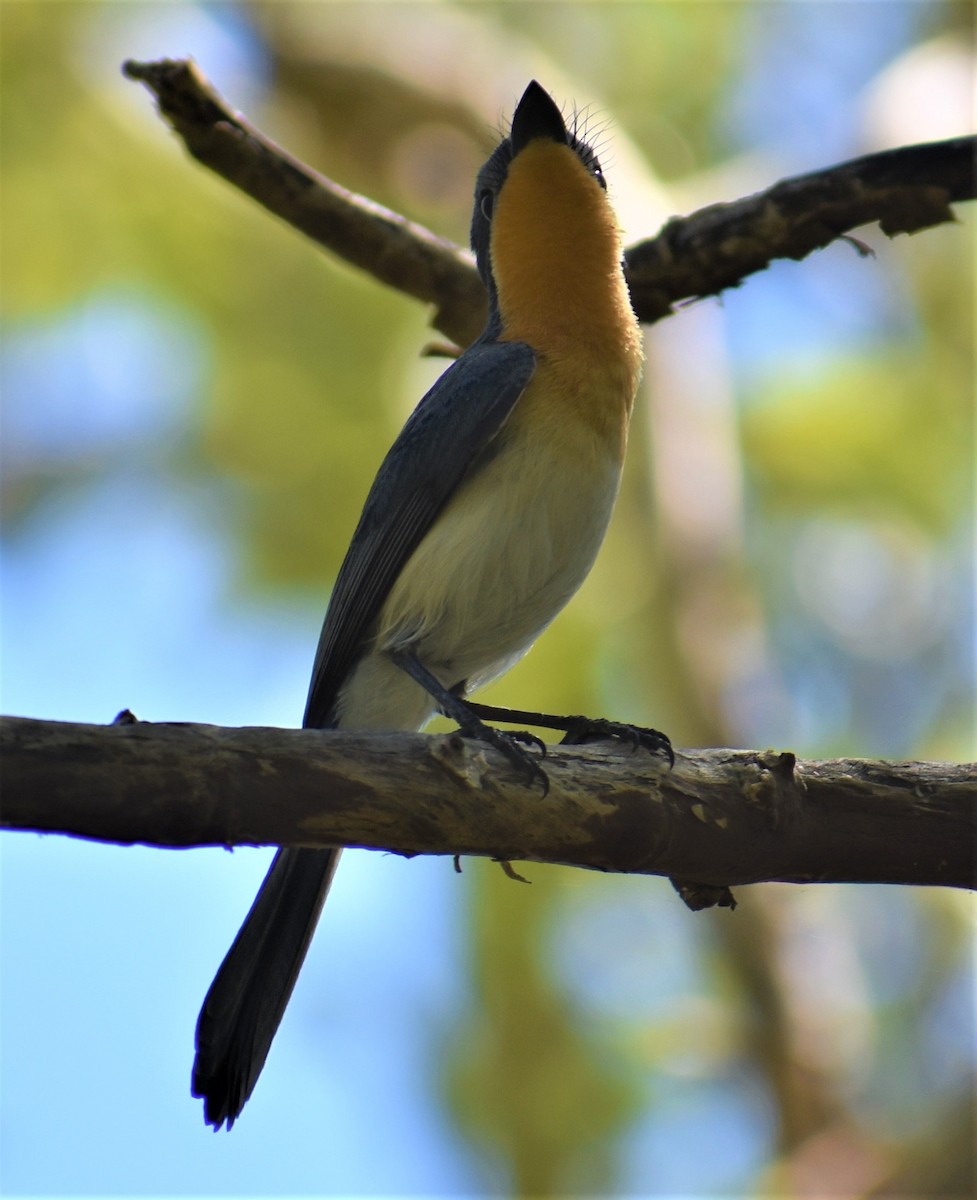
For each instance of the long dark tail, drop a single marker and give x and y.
(247, 999)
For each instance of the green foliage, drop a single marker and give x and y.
(534, 1083)
(886, 434)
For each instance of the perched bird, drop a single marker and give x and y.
(484, 519)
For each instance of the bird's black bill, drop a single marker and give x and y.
(536, 116)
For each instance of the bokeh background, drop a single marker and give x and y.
(194, 402)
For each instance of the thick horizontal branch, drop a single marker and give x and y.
(700, 255)
(719, 818)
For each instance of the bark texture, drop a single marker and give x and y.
(718, 819)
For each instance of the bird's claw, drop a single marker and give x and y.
(509, 745)
(585, 729)
(528, 739)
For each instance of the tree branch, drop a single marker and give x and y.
(719, 818)
(904, 190)
(397, 252)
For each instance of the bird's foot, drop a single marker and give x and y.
(588, 729)
(456, 708)
(512, 746)
(582, 729)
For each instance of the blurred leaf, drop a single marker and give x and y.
(528, 1079)
(864, 436)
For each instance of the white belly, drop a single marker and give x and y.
(501, 561)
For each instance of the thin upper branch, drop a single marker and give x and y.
(719, 818)
(904, 190)
(397, 252)
(700, 255)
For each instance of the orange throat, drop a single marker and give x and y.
(556, 259)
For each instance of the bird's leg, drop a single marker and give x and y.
(581, 729)
(458, 709)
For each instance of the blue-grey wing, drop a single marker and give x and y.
(452, 426)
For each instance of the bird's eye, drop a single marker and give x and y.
(485, 202)
(599, 176)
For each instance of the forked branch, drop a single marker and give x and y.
(699, 255)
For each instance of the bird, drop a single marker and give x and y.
(484, 519)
